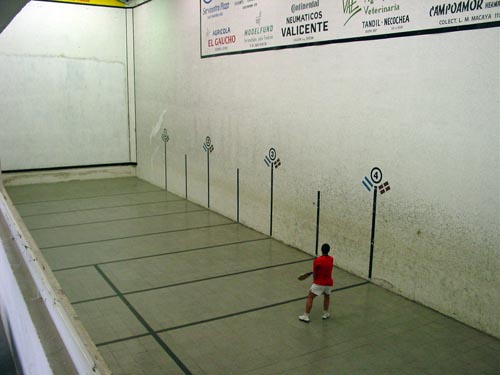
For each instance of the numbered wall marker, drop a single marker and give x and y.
(209, 148)
(372, 183)
(165, 138)
(272, 162)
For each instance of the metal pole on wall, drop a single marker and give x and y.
(166, 173)
(237, 195)
(273, 162)
(208, 147)
(186, 173)
(317, 222)
(271, 211)
(372, 241)
(165, 138)
(375, 183)
(208, 179)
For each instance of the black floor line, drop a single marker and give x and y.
(157, 338)
(253, 310)
(90, 197)
(115, 220)
(134, 236)
(161, 254)
(94, 299)
(195, 281)
(218, 277)
(225, 316)
(105, 207)
(122, 339)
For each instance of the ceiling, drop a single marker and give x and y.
(108, 3)
(10, 8)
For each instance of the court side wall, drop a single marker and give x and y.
(423, 109)
(64, 95)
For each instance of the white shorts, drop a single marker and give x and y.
(320, 289)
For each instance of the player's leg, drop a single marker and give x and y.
(326, 305)
(309, 304)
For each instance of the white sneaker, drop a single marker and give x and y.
(325, 315)
(304, 318)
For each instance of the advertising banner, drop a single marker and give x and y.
(235, 26)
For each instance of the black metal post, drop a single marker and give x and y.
(166, 173)
(186, 173)
(238, 195)
(372, 242)
(208, 177)
(272, 191)
(317, 222)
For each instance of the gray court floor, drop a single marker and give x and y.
(165, 286)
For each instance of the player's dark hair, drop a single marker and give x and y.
(325, 249)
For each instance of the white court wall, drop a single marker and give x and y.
(63, 83)
(425, 109)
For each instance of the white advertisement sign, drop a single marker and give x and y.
(234, 26)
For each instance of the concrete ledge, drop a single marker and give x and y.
(69, 174)
(48, 336)
(34, 338)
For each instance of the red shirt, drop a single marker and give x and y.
(323, 267)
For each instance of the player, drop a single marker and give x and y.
(322, 283)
